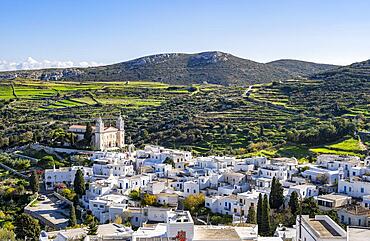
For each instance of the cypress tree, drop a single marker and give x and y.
(273, 192)
(79, 183)
(259, 211)
(34, 182)
(251, 218)
(266, 225)
(72, 217)
(279, 194)
(93, 227)
(276, 194)
(293, 203)
(72, 139)
(88, 133)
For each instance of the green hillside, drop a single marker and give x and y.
(205, 118)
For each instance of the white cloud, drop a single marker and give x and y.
(31, 63)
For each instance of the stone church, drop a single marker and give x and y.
(103, 138)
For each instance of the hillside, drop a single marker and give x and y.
(176, 68)
(323, 109)
(356, 71)
(301, 68)
(343, 91)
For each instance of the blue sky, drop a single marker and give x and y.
(329, 31)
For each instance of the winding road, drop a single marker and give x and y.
(247, 91)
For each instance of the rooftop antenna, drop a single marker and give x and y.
(167, 178)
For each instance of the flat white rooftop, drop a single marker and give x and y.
(358, 233)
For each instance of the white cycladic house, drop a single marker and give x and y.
(167, 199)
(154, 187)
(64, 175)
(333, 201)
(366, 201)
(356, 187)
(237, 205)
(336, 162)
(319, 228)
(119, 168)
(257, 161)
(170, 226)
(354, 215)
(322, 175)
(191, 188)
(304, 191)
(99, 188)
(134, 182)
(101, 205)
(222, 204)
(157, 154)
(162, 169)
(270, 171)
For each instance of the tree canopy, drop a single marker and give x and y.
(294, 203)
(79, 183)
(26, 226)
(194, 202)
(72, 217)
(34, 182)
(251, 218)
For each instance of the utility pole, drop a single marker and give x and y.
(300, 218)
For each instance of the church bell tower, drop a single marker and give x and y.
(120, 125)
(99, 129)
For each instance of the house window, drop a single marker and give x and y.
(359, 222)
(187, 190)
(362, 190)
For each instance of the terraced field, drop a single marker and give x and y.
(6, 91)
(209, 119)
(58, 95)
(347, 147)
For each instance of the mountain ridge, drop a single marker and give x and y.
(301, 67)
(180, 68)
